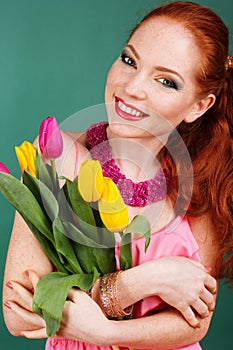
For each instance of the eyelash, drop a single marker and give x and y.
(169, 84)
(125, 57)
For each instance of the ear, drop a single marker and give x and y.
(199, 108)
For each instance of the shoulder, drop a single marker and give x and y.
(74, 152)
(206, 236)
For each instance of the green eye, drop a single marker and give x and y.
(168, 83)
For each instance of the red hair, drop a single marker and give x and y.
(209, 139)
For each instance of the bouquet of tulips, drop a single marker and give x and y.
(73, 220)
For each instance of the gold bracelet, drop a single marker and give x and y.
(108, 297)
(118, 310)
(105, 298)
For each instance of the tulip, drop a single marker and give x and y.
(3, 168)
(113, 211)
(90, 180)
(26, 154)
(50, 139)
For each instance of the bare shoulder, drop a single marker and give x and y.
(206, 237)
(74, 152)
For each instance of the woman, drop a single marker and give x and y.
(174, 73)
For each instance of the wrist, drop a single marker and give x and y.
(137, 283)
(110, 335)
(151, 276)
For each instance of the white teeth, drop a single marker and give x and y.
(129, 110)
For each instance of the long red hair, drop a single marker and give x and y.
(209, 139)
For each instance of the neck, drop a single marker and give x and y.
(136, 157)
(136, 194)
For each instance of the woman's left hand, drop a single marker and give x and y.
(82, 318)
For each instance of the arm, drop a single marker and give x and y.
(164, 330)
(168, 328)
(24, 252)
(147, 331)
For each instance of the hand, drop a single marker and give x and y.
(82, 318)
(187, 286)
(21, 306)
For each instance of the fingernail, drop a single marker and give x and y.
(9, 285)
(198, 325)
(7, 304)
(208, 268)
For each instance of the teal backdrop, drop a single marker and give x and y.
(54, 58)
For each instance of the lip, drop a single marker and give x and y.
(128, 116)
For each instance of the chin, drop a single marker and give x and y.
(126, 129)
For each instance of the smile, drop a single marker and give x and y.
(127, 111)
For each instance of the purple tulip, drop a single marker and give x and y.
(50, 139)
(3, 168)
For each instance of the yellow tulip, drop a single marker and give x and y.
(26, 154)
(90, 180)
(113, 211)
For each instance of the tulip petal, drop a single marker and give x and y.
(4, 169)
(26, 154)
(50, 138)
(113, 211)
(90, 180)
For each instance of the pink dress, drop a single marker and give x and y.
(174, 240)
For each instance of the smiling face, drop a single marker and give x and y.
(151, 87)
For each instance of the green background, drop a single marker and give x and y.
(54, 58)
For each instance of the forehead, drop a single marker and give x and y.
(166, 42)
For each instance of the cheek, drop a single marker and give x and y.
(111, 82)
(171, 109)
(116, 79)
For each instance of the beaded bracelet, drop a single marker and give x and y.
(108, 296)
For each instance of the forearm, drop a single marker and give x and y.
(181, 283)
(24, 253)
(163, 331)
(137, 283)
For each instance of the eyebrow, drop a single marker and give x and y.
(165, 69)
(133, 50)
(160, 68)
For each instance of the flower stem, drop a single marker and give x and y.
(54, 172)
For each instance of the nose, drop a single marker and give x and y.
(135, 86)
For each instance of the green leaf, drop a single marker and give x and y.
(81, 209)
(65, 211)
(125, 252)
(106, 237)
(48, 247)
(64, 248)
(83, 247)
(141, 226)
(78, 236)
(44, 196)
(105, 259)
(14, 191)
(90, 253)
(42, 172)
(51, 293)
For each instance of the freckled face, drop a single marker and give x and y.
(152, 83)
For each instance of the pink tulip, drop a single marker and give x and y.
(50, 138)
(3, 168)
